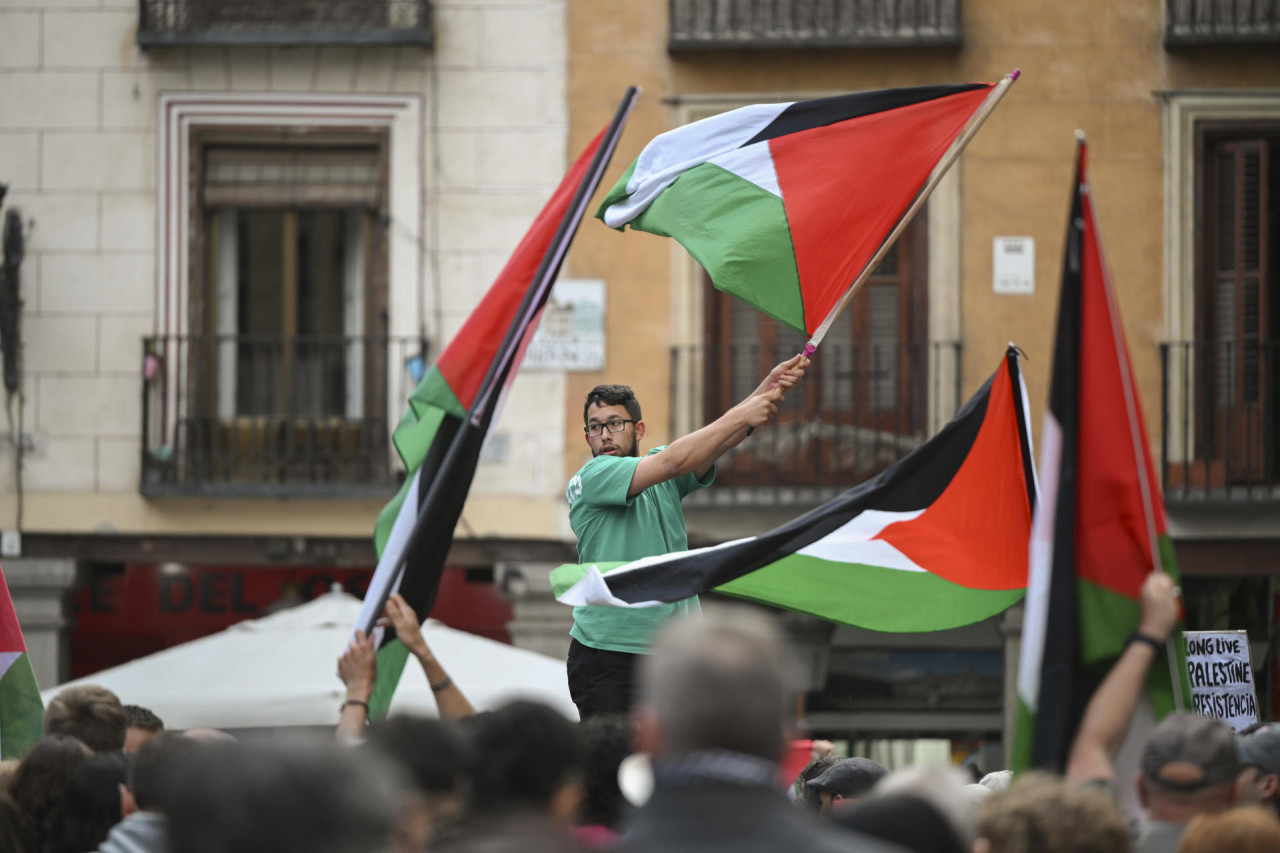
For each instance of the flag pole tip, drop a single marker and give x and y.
(1015, 74)
(809, 349)
(1079, 135)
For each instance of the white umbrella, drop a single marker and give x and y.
(281, 670)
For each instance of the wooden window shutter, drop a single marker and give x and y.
(265, 176)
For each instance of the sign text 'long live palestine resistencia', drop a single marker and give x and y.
(1221, 675)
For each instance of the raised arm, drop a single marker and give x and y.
(699, 450)
(1106, 718)
(450, 700)
(358, 669)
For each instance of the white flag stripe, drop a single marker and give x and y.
(385, 580)
(592, 589)
(6, 661)
(1036, 614)
(677, 151)
(753, 163)
(855, 540)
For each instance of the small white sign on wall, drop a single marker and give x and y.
(571, 334)
(1014, 265)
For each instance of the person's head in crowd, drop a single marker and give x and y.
(140, 724)
(8, 769)
(847, 779)
(715, 683)
(943, 788)
(526, 762)
(41, 782)
(282, 797)
(90, 713)
(154, 767)
(809, 798)
(94, 802)
(908, 820)
(1189, 767)
(10, 825)
(1246, 829)
(435, 759)
(605, 740)
(1042, 814)
(1258, 748)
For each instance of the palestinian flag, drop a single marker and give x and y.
(939, 539)
(785, 204)
(1100, 529)
(440, 436)
(21, 710)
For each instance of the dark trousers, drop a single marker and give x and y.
(600, 682)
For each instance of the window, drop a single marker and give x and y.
(286, 368)
(863, 404)
(1236, 303)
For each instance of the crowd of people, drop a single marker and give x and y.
(712, 719)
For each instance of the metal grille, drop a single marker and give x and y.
(1199, 23)
(283, 22)
(710, 24)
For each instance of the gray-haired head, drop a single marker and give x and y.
(719, 682)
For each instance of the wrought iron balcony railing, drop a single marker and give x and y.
(1220, 442)
(862, 407)
(1221, 23)
(195, 23)
(729, 24)
(272, 415)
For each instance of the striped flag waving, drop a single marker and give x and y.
(440, 436)
(937, 540)
(1100, 529)
(21, 710)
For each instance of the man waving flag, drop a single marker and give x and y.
(936, 541)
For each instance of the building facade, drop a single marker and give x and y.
(248, 228)
(1178, 99)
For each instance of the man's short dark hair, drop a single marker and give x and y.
(525, 753)
(612, 395)
(154, 767)
(138, 717)
(89, 713)
(433, 753)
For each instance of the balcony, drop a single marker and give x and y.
(282, 23)
(806, 24)
(1221, 23)
(862, 407)
(1219, 440)
(267, 415)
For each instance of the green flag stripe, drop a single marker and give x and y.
(870, 597)
(430, 402)
(1024, 727)
(391, 660)
(718, 217)
(21, 710)
(618, 193)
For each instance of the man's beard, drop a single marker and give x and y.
(633, 451)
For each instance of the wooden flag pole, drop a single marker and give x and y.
(935, 177)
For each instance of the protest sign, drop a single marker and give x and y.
(1221, 675)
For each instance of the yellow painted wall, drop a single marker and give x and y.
(1095, 65)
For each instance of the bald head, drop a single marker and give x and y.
(719, 682)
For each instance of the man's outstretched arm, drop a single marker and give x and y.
(1106, 718)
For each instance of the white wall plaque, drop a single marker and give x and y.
(1014, 265)
(571, 334)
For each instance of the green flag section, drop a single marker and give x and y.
(785, 204)
(936, 541)
(449, 413)
(1100, 528)
(21, 710)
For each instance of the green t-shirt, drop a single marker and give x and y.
(611, 528)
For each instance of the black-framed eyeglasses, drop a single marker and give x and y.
(615, 425)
